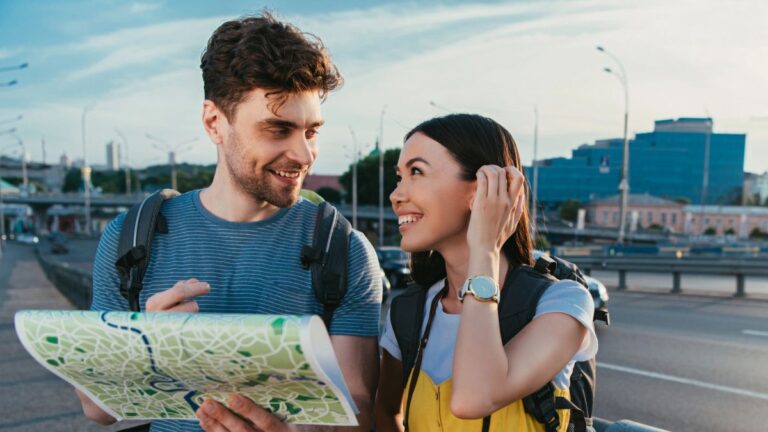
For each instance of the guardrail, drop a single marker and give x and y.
(739, 268)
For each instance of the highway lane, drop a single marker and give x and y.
(685, 363)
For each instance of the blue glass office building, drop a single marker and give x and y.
(668, 162)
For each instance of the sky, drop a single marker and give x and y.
(133, 67)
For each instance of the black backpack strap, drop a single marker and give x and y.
(416, 369)
(135, 243)
(406, 312)
(327, 258)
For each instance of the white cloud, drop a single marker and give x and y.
(144, 7)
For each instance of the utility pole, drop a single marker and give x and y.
(535, 203)
(355, 157)
(380, 146)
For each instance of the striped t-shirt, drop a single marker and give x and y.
(252, 267)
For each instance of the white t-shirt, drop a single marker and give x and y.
(566, 297)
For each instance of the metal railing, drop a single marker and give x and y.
(739, 268)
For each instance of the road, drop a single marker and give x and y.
(684, 363)
(31, 398)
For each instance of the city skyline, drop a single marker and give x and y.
(138, 63)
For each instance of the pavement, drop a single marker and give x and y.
(31, 398)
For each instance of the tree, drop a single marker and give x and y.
(331, 195)
(569, 210)
(710, 231)
(756, 233)
(368, 178)
(730, 231)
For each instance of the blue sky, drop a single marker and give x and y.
(136, 64)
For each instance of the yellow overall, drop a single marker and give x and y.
(431, 411)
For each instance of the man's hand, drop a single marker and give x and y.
(245, 416)
(178, 298)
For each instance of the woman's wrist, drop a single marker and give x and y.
(483, 261)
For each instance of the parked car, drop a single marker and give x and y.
(394, 262)
(27, 238)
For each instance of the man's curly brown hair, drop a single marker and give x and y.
(262, 52)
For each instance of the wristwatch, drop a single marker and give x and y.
(483, 288)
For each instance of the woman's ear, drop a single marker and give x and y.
(472, 191)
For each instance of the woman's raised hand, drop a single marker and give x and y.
(497, 207)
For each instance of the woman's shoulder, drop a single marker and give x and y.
(567, 296)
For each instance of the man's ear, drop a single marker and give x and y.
(215, 122)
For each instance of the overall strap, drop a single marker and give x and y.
(415, 372)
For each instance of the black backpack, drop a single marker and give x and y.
(326, 258)
(517, 306)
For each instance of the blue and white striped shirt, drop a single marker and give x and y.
(252, 267)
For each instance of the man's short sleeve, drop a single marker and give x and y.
(360, 309)
(106, 282)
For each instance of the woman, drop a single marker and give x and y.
(464, 218)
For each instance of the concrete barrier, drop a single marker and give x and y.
(75, 284)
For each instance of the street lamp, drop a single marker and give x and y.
(381, 176)
(535, 167)
(86, 172)
(15, 119)
(624, 183)
(17, 67)
(172, 151)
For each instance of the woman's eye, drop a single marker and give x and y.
(415, 171)
(398, 178)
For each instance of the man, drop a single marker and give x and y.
(235, 245)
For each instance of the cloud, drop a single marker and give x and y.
(144, 7)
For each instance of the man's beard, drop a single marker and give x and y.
(259, 184)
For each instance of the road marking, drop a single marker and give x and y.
(755, 333)
(688, 381)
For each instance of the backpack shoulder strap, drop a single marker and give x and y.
(406, 313)
(135, 243)
(523, 287)
(327, 258)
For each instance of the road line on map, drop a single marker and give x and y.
(755, 333)
(687, 381)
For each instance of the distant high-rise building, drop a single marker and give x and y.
(113, 156)
(668, 162)
(65, 161)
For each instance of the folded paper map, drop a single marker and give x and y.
(163, 365)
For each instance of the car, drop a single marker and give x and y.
(394, 261)
(600, 296)
(27, 238)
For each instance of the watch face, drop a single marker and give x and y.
(483, 287)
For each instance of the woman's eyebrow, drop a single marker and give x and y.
(414, 160)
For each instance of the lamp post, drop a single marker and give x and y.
(355, 158)
(11, 120)
(624, 183)
(535, 185)
(86, 173)
(381, 176)
(172, 151)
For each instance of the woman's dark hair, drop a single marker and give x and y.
(473, 141)
(262, 52)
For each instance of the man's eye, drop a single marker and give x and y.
(311, 134)
(281, 132)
